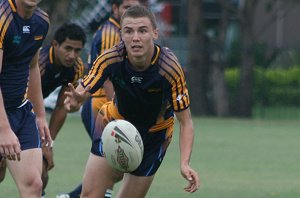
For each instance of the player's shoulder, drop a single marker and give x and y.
(79, 65)
(42, 16)
(45, 54)
(167, 60)
(6, 13)
(113, 55)
(108, 28)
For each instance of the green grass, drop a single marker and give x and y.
(235, 159)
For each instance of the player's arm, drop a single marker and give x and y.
(109, 89)
(9, 143)
(57, 120)
(36, 97)
(59, 114)
(186, 140)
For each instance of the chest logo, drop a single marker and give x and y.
(135, 79)
(16, 39)
(26, 29)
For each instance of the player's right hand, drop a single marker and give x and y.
(10, 147)
(74, 97)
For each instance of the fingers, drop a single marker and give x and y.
(12, 152)
(87, 89)
(48, 155)
(194, 181)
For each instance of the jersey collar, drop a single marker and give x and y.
(155, 55)
(51, 54)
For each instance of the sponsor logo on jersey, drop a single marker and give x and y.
(154, 90)
(37, 38)
(57, 75)
(181, 96)
(26, 29)
(16, 39)
(135, 79)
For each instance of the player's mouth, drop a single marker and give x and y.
(136, 47)
(70, 62)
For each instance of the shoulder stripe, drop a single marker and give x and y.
(172, 71)
(110, 37)
(115, 22)
(79, 69)
(100, 64)
(12, 5)
(5, 19)
(43, 57)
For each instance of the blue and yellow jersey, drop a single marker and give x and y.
(20, 39)
(53, 75)
(107, 35)
(147, 98)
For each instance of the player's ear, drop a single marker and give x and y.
(155, 34)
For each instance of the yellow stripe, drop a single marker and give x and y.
(12, 5)
(115, 22)
(51, 54)
(3, 32)
(99, 65)
(156, 56)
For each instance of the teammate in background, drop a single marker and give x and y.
(23, 28)
(149, 89)
(107, 35)
(60, 64)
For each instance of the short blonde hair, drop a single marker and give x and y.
(139, 11)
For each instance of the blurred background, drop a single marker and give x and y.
(241, 57)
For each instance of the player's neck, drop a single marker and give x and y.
(141, 63)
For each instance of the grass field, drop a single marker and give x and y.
(235, 159)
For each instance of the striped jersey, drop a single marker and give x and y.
(20, 39)
(144, 98)
(107, 35)
(54, 75)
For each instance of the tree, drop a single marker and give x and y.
(197, 70)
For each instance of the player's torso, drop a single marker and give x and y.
(141, 96)
(21, 39)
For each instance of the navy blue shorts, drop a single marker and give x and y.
(23, 123)
(155, 146)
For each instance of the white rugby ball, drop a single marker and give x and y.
(122, 145)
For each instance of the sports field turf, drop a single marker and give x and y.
(235, 159)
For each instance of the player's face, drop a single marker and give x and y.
(28, 3)
(67, 52)
(138, 35)
(124, 6)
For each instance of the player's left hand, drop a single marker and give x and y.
(192, 177)
(44, 131)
